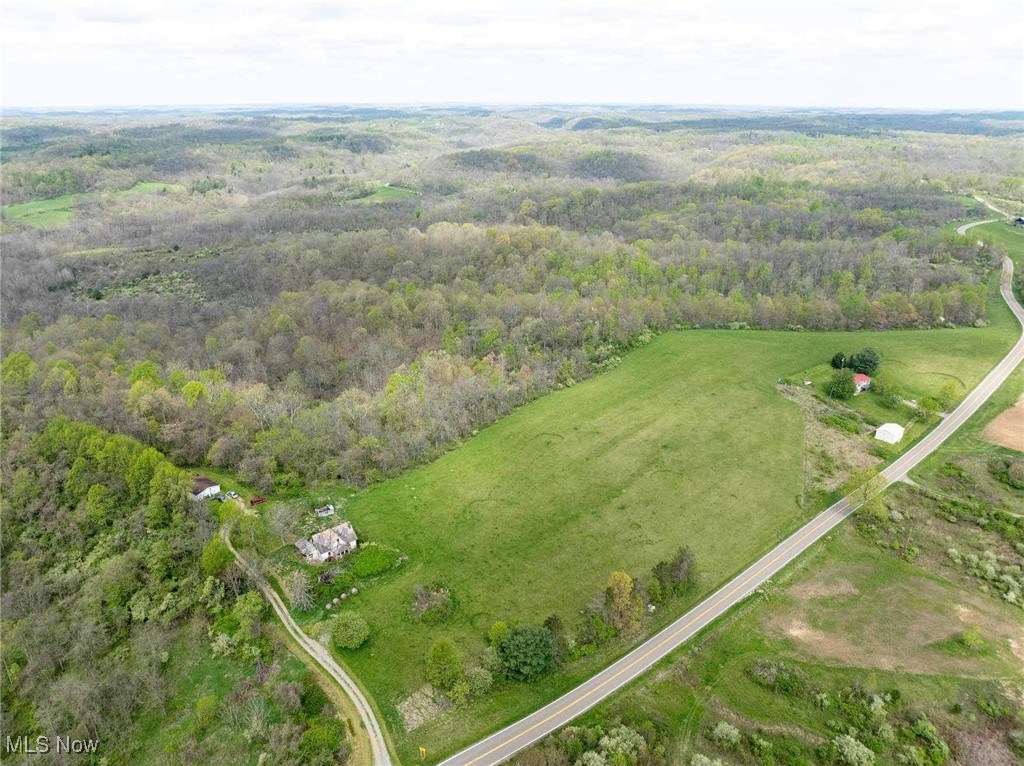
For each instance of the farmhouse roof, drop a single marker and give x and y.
(860, 377)
(327, 540)
(201, 484)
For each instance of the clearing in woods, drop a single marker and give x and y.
(687, 442)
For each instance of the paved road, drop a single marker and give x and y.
(320, 655)
(502, 745)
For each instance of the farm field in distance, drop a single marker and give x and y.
(687, 442)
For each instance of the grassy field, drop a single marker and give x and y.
(387, 193)
(57, 212)
(44, 213)
(687, 438)
(853, 612)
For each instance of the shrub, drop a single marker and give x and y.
(444, 664)
(373, 559)
(497, 632)
(972, 640)
(841, 423)
(349, 631)
(480, 681)
(839, 361)
(852, 751)
(432, 605)
(206, 713)
(726, 735)
(323, 742)
(526, 652)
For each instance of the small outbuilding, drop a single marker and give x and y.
(203, 488)
(890, 433)
(861, 382)
(327, 510)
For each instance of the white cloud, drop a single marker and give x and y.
(869, 53)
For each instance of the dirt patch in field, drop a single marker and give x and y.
(419, 707)
(823, 588)
(1007, 430)
(891, 626)
(983, 747)
(831, 456)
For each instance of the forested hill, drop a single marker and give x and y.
(339, 295)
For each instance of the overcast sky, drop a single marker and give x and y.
(958, 54)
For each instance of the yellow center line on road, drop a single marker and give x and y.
(704, 609)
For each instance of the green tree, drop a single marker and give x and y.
(168, 494)
(193, 391)
(949, 395)
(216, 556)
(17, 371)
(866, 361)
(526, 652)
(444, 664)
(839, 361)
(349, 630)
(148, 371)
(100, 504)
(625, 606)
(841, 385)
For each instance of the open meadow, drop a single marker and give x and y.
(688, 442)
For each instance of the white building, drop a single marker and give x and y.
(328, 544)
(890, 433)
(203, 488)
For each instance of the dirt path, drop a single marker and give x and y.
(961, 230)
(319, 654)
(361, 755)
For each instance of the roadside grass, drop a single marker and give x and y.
(685, 443)
(712, 680)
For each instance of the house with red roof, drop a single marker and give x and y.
(861, 381)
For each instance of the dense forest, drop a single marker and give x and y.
(320, 295)
(340, 295)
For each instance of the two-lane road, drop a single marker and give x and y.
(501, 746)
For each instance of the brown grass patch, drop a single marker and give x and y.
(1007, 429)
(983, 747)
(891, 626)
(821, 587)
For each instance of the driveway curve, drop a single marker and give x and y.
(319, 653)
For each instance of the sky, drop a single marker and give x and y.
(892, 54)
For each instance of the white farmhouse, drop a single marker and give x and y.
(328, 544)
(890, 433)
(203, 488)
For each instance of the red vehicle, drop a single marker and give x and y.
(257, 500)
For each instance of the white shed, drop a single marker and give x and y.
(891, 433)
